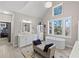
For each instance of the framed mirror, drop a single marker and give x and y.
(26, 26)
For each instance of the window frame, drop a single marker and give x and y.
(60, 4)
(63, 27)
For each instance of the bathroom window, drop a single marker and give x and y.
(57, 10)
(61, 27)
(68, 26)
(57, 27)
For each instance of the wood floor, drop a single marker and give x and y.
(8, 51)
(64, 53)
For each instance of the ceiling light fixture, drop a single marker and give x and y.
(48, 4)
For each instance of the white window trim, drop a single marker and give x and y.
(63, 28)
(61, 4)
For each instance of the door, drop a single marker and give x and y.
(9, 31)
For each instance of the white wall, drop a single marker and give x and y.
(5, 17)
(17, 24)
(69, 9)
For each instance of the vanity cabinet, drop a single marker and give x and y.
(24, 40)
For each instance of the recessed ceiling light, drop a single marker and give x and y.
(48, 4)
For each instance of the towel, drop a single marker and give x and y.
(47, 46)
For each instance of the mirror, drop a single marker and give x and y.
(26, 26)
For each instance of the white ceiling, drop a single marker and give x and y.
(35, 9)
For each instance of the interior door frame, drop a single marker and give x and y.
(10, 28)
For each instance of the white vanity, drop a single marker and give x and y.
(26, 39)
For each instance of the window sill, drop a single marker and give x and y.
(60, 36)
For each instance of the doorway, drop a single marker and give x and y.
(5, 31)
